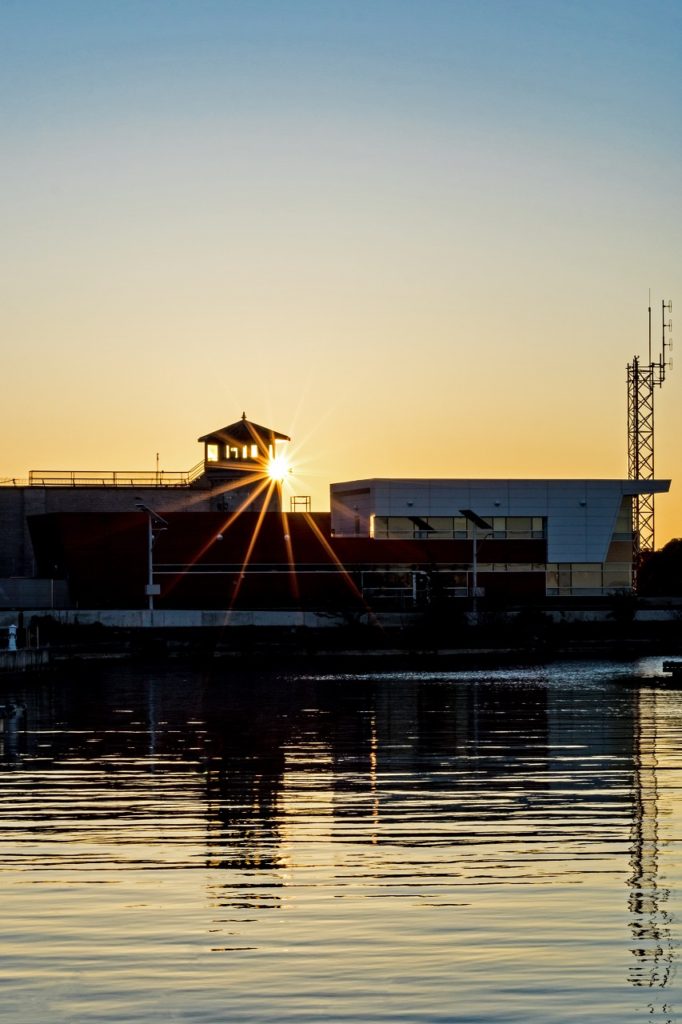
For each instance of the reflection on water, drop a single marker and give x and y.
(499, 846)
(651, 923)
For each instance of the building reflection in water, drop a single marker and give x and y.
(12, 730)
(244, 781)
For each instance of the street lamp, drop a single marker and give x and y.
(477, 524)
(155, 525)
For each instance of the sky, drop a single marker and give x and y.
(418, 236)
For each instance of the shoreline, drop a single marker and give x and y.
(294, 658)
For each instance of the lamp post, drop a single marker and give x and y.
(155, 524)
(477, 523)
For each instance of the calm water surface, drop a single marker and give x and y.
(487, 846)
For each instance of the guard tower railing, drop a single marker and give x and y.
(113, 478)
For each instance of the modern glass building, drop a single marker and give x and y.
(555, 537)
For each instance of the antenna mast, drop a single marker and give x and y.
(642, 379)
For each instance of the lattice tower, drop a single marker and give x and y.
(643, 379)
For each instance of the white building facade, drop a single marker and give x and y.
(578, 533)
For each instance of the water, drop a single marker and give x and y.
(478, 847)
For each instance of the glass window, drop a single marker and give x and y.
(254, 451)
(538, 527)
(212, 452)
(440, 524)
(380, 526)
(587, 579)
(617, 577)
(404, 527)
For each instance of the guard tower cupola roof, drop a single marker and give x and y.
(244, 431)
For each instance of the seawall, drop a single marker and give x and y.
(25, 660)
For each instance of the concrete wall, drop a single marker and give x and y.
(24, 660)
(188, 619)
(180, 619)
(33, 593)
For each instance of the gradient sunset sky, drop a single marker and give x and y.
(416, 235)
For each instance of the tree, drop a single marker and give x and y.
(661, 574)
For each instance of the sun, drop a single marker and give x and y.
(278, 467)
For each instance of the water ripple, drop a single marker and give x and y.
(427, 847)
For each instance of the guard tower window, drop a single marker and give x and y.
(212, 453)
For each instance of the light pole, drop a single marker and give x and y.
(155, 524)
(477, 524)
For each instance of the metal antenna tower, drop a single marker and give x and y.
(643, 378)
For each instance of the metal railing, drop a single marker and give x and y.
(112, 478)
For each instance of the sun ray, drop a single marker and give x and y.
(293, 577)
(257, 440)
(201, 551)
(339, 564)
(253, 477)
(249, 476)
(252, 543)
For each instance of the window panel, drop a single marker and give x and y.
(617, 577)
(584, 580)
(518, 524)
(440, 524)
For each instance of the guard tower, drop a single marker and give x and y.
(240, 463)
